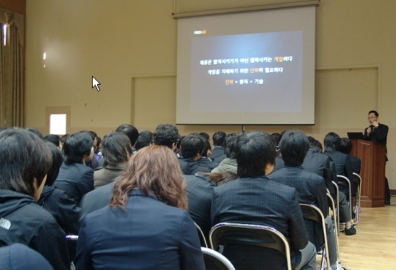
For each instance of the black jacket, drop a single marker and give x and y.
(24, 221)
(190, 166)
(63, 209)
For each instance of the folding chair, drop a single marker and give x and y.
(331, 204)
(337, 205)
(344, 181)
(215, 260)
(358, 182)
(201, 235)
(313, 213)
(247, 234)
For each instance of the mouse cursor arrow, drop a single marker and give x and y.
(95, 83)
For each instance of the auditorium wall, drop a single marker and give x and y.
(130, 47)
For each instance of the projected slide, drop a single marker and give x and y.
(259, 72)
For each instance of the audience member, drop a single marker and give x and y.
(130, 131)
(346, 148)
(253, 198)
(117, 149)
(74, 177)
(52, 138)
(199, 193)
(148, 197)
(228, 164)
(192, 147)
(145, 139)
(35, 131)
(342, 167)
(24, 163)
(166, 134)
(311, 188)
(56, 201)
(218, 154)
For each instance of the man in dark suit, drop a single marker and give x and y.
(378, 133)
(253, 198)
(199, 193)
(311, 188)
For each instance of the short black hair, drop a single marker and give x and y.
(219, 138)
(130, 131)
(374, 112)
(345, 146)
(192, 145)
(276, 137)
(294, 147)
(23, 157)
(52, 138)
(315, 145)
(35, 131)
(332, 142)
(57, 160)
(206, 147)
(205, 135)
(116, 148)
(230, 143)
(145, 139)
(254, 151)
(166, 134)
(76, 146)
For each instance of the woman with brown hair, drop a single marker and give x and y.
(145, 225)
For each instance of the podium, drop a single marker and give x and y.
(372, 172)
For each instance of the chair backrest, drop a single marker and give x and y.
(344, 181)
(358, 182)
(248, 234)
(311, 212)
(201, 235)
(215, 260)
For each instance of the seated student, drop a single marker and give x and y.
(21, 257)
(346, 148)
(130, 131)
(218, 146)
(116, 149)
(311, 188)
(254, 199)
(56, 201)
(192, 147)
(145, 139)
(228, 164)
(74, 177)
(145, 226)
(54, 139)
(206, 156)
(24, 163)
(166, 134)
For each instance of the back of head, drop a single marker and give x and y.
(206, 152)
(23, 158)
(254, 151)
(145, 139)
(76, 146)
(219, 138)
(116, 149)
(230, 143)
(294, 147)
(276, 137)
(35, 131)
(57, 160)
(130, 131)
(345, 146)
(205, 135)
(166, 134)
(332, 142)
(315, 145)
(192, 145)
(153, 169)
(54, 139)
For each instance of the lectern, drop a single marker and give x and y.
(372, 171)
